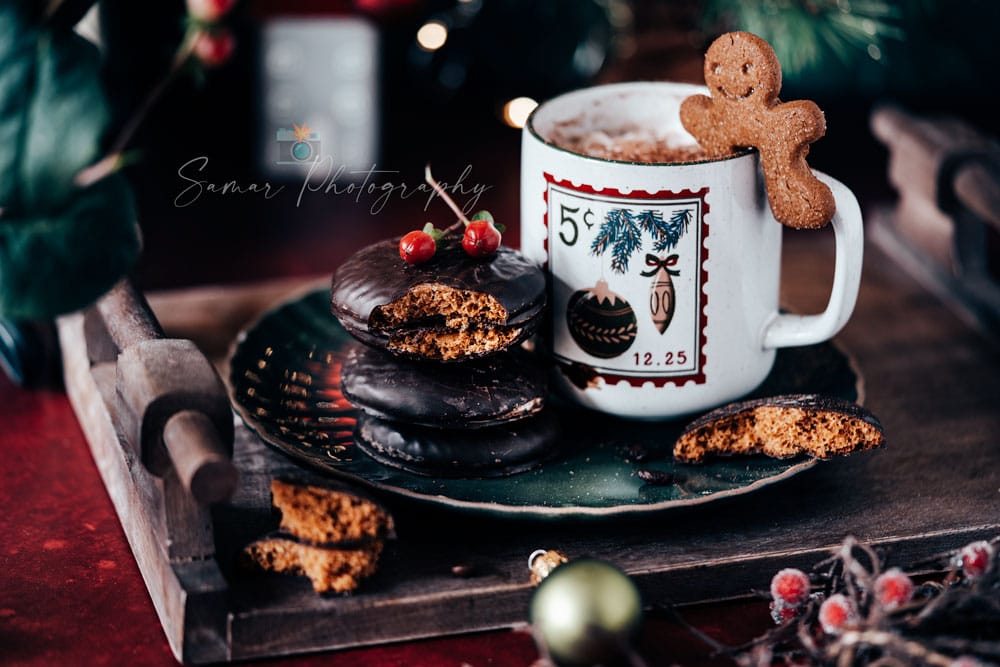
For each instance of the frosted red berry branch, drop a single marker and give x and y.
(849, 611)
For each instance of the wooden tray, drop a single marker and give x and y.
(934, 384)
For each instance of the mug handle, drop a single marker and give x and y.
(786, 330)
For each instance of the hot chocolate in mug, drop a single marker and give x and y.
(664, 276)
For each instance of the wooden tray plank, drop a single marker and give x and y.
(934, 383)
(187, 597)
(718, 551)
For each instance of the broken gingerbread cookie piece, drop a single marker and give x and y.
(331, 570)
(453, 307)
(330, 534)
(781, 427)
(328, 515)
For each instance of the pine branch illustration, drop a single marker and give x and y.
(622, 231)
(628, 243)
(672, 230)
(651, 222)
(609, 231)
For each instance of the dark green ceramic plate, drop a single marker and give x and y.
(285, 383)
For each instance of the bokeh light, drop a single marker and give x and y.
(516, 111)
(432, 35)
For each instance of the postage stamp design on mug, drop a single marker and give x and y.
(598, 241)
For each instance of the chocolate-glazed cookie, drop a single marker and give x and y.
(781, 427)
(497, 451)
(501, 388)
(450, 308)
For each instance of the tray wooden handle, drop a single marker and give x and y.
(199, 456)
(175, 411)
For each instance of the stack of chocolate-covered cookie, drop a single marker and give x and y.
(440, 377)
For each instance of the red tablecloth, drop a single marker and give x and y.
(71, 593)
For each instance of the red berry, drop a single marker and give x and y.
(781, 613)
(837, 614)
(209, 11)
(481, 238)
(214, 48)
(417, 247)
(790, 586)
(975, 558)
(893, 589)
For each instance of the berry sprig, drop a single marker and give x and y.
(481, 239)
(849, 611)
(207, 42)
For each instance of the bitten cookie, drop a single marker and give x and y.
(451, 308)
(781, 427)
(744, 78)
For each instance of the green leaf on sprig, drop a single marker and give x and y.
(486, 215)
(61, 245)
(433, 231)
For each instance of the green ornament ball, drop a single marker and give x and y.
(586, 612)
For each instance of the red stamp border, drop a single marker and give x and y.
(638, 381)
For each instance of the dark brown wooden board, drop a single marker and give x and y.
(933, 381)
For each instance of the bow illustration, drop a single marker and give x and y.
(656, 263)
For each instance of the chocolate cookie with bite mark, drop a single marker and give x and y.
(451, 308)
(781, 427)
(501, 388)
(498, 451)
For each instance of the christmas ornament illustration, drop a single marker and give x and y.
(662, 300)
(601, 322)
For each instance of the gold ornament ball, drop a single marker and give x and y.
(586, 612)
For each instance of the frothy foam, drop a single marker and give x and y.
(633, 145)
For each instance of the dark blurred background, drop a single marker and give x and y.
(399, 83)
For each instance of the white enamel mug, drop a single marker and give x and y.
(665, 277)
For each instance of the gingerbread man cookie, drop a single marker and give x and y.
(744, 78)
